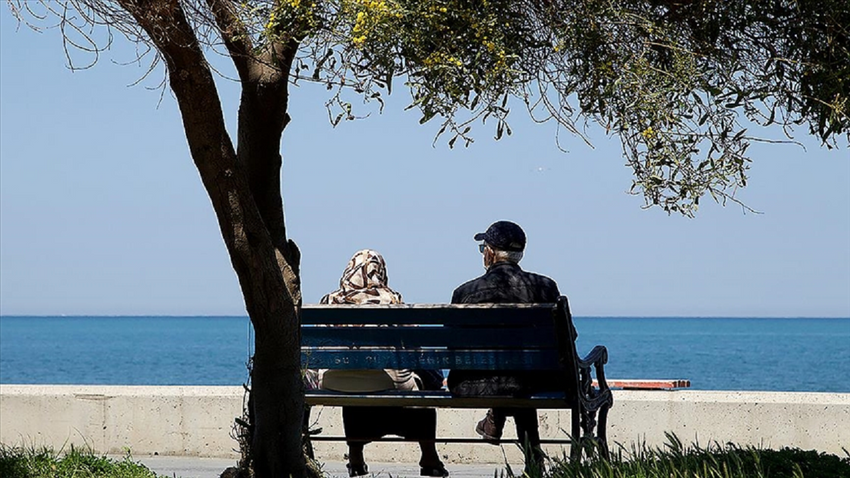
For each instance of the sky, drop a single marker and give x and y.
(103, 213)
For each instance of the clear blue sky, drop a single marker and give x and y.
(102, 211)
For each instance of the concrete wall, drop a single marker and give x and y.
(196, 421)
(193, 421)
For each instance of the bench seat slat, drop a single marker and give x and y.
(477, 439)
(415, 337)
(353, 359)
(435, 399)
(458, 314)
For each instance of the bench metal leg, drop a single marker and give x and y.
(306, 442)
(602, 433)
(575, 433)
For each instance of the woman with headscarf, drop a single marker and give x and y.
(364, 281)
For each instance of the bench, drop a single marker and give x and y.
(475, 337)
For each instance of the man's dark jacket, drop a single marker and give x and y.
(503, 283)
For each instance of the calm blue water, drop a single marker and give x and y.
(714, 353)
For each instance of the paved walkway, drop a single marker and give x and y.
(192, 467)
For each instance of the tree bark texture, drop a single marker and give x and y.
(244, 189)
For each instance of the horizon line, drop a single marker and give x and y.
(838, 317)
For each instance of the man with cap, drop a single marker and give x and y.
(502, 245)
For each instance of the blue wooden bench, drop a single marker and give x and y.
(475, 337)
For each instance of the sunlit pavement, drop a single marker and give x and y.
(193, 467)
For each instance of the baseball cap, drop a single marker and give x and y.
(504, 236)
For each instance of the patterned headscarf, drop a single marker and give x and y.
(364, 281)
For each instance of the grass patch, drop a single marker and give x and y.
(17, 462)
(674, 460)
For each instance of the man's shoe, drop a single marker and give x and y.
(359, 469)
(437, 471)
(489, 430)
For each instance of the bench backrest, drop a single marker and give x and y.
(440, 336)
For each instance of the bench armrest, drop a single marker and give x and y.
(594, 364)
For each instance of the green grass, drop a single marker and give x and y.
(675, 460)
(16, 462)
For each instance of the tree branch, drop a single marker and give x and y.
(234, 34)
(252, 251)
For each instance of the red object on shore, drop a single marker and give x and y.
(648, 384)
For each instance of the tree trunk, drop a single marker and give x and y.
(278, 390)
(245, 194)
(278, 398)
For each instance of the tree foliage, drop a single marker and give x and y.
(672, 78)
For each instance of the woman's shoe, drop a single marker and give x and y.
(438, 471)
(489, 429)
(357, 470)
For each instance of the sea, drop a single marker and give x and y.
(757, 354)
